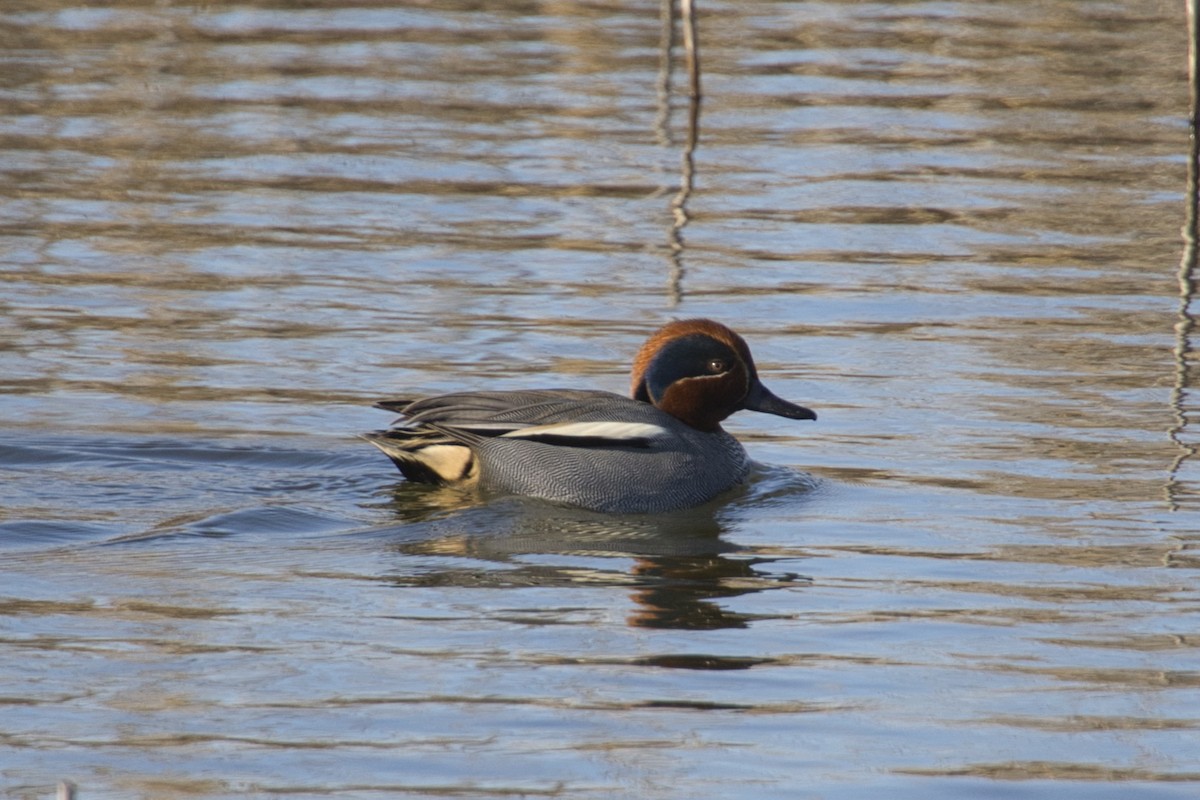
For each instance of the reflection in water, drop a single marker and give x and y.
(1186, 326)
(679, 202)
(676, 564)
(677, 592)
(679, 213)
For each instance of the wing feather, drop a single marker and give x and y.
(565, 417)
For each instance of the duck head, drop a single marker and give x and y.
(700, 372)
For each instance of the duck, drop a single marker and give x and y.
(660, 449)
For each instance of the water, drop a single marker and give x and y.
(950, 228)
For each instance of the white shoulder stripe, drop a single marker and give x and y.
(614, 431)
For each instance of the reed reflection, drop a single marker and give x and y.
(679, 201)
(1186, 324)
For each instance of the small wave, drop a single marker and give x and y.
(40, 534)
(769, 484)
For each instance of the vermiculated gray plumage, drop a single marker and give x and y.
(604, 474)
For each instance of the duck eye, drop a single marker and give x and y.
(717, 366)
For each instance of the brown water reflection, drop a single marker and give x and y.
(954, 228)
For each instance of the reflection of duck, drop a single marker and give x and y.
(678, 568)
(661, 449)
(681, 592)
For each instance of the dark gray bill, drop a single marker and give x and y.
(759, 398)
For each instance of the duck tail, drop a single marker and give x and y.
(426, 458)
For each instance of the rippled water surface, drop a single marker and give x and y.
(953, 228)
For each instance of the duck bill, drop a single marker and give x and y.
(760, 398)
